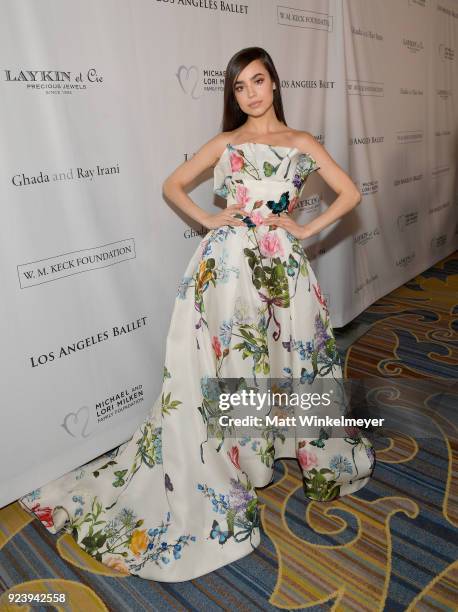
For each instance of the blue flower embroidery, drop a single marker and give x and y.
(340, 464)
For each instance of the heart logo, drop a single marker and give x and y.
(188, 79)
(75, 423)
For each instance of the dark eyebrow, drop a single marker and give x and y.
(251, 79)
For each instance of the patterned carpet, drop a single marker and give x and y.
(391, 546)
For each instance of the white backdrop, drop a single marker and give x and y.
(101, 101)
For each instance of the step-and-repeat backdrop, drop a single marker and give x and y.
(100, 101)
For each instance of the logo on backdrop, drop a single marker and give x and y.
(79, 424)
(366, 33)
(367, 187)
(414, 46)
(447, 11)
(59, 266)
(310, 205)
(54, 81)
(365, 237)
(406, 260)
(356, 87)
(192, 233)
(444, 94)
(436, 209)
(407, 179)
(195, 81)
(71, 174)
(365, 283)
(411, 91)
(409, 136)
(446, 53)
(115, 404)
(440, 171)
(298, 18)
(213, 5)
(307, 84)
(444, 132)
(81, 344)
(364, 140)
(407, 219)
(438, 241)
(76, 423)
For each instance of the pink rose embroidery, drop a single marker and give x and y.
(306, 460)
(234, 456)
(116, 563)
(236, 162)
(257, 217)
(270, 245)
(241, 194)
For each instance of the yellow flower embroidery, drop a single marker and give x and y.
(139, 541)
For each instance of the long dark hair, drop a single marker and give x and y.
(233, 116)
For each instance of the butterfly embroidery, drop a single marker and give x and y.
(320, 442)
(308, 377)
(168, 482)
(288, 345)
(217, 533)
(281, 205)
(119, 482)
(35, 495)
(269, 168)
(292, 265)
(247, 220)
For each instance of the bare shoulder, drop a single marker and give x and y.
(327, 167)
(307, 143)
(214, 148)
(230, 137)
(205, 157)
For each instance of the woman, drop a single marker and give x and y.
(178, 500)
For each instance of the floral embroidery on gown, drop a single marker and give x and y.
(178, 499)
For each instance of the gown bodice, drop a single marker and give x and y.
(263, 177)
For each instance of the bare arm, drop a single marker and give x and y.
(348, 195)
(174, 186)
